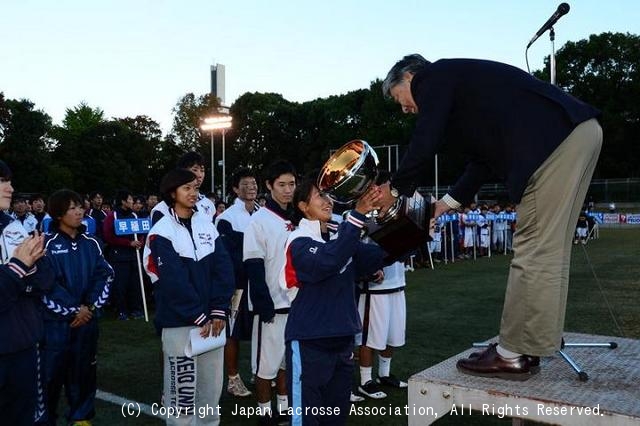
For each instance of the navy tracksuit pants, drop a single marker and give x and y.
(18, 384)
(319, 382)
(69, 359)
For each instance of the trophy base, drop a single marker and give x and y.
(405, 230)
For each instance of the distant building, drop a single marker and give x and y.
(217, 82)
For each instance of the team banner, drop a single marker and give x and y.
(509, 217)
(132, 226)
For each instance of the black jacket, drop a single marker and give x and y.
(506, 122)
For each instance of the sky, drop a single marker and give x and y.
(139, 57)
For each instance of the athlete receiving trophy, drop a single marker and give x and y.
(348, 173)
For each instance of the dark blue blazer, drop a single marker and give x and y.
(503, 120)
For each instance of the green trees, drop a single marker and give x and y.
(604, 71)
(24, 143)
(88, 151)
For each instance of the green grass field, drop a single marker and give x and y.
(448, 308)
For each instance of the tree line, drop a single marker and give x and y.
(88, 151)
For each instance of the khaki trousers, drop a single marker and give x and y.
(536, 297)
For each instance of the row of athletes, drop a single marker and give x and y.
(253, 239)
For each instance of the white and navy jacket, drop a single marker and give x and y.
(191, 271)
(20, 291)
(29, 221)
(231, 225)
(263, 254)
(203, 205)
(321, 274)
(82, 275)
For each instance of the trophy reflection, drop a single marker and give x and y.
(348, 173)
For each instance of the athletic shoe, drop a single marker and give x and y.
(122, 316)
(371, 390)
(392, 381)
(236, 387)
(137, 315)
(267, 421)
(355, 398)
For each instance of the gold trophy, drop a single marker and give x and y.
(348, 173)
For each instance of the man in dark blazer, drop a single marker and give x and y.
(544, 145)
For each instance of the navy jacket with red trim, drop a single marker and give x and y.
(321, 277)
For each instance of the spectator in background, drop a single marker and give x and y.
(231, 224)
(20, 213)
(152, 201)
(139, 206)
(37, 209)
(221, 206)
(122, 256)
(107, 206)
(96, 212)
(469, 232)
(24, 278)
(498, 230)
(81, 288)
(511, 228)
(582, 229)
(483, 231)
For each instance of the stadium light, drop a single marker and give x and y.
(211, 124)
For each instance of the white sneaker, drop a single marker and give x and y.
(236, 387)
(372, 390)
(355, 398)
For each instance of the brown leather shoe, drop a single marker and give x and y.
(534, 361)
(490, 364)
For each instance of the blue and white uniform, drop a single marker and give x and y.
(28, 220)
(320, 274)
(192, 277)
(82, 276)
(20, 325)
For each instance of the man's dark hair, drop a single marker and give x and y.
(59, 203)
(35, 197)
(189, 160)
(18, 198)
(121, 196)
(277, 169)
(94, 194)
(241, 174)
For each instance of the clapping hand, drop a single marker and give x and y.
(30, 250)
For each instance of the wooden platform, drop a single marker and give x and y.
(611, 396)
